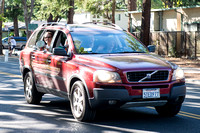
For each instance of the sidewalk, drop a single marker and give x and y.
(192, 75)
(191, 69)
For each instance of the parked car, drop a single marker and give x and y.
(21, 42)
(98, 67)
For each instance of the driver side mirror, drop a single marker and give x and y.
(59, 51)
(40, 45)
(151, 48)
(62, 52)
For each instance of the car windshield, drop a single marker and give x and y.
(106, 43)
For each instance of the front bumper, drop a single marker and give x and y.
(108, 97)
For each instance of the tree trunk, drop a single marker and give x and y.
(15, 23)
(50, 19)
(2, 2)
(131, 7)
(145, 27)
(71, 12)
(27, 16)
(113, 11)
(1, 48)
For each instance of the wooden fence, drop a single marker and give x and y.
(176, 44)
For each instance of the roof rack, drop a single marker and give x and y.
(56, 24)
(105, 23)
(53, 24)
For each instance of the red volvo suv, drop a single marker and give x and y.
(98, 66)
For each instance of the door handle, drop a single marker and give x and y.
(32, 56)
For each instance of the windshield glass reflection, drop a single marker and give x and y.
(109, 43)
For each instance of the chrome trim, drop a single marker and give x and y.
(144, 103)
(151, 74)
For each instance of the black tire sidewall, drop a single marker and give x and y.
(36, 96)
(169, 110)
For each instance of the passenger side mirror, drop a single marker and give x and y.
(151, 48)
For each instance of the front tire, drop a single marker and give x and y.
(79, 103)
(169, 110)
(31, 94)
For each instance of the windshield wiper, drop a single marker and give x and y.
(131, 52)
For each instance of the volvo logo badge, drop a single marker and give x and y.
(148, 76)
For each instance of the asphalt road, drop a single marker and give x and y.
(53, 115)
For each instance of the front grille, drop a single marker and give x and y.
(155, 86)
(146, 76)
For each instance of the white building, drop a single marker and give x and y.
(120, 18)
(173, 19)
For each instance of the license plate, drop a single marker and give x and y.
(151, 93)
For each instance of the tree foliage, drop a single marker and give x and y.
(101, 7)
(157, 4)
(57, 9)
(13, 8)
(179, 3)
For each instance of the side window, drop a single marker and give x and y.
(35, 38)
(60, 39)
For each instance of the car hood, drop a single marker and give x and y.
(133, 61)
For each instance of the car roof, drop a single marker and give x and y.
(92, 28)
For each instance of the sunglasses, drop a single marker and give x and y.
(48, 37)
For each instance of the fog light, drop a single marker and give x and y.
(112, 102)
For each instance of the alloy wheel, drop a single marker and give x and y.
(78, 101)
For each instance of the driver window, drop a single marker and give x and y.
(48, 38)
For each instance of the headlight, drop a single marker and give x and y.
(178, 74)
(106, 77)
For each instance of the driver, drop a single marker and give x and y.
(48, 38)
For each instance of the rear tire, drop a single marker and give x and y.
(80, 107)
(169, 109)
(31, 94)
